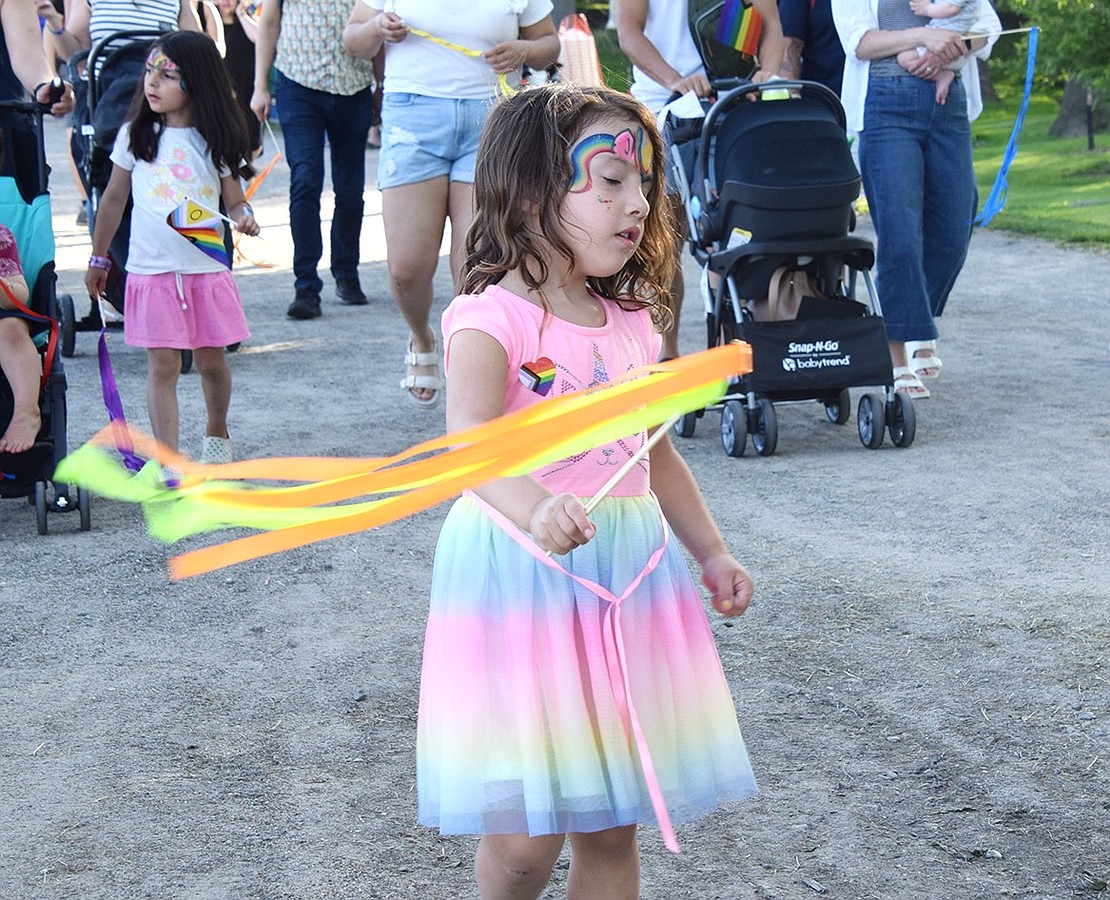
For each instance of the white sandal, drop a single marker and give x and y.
(906, 382)
(927, 366)
(423, 382)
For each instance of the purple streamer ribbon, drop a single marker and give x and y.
(114, 405)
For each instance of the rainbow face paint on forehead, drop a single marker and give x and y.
(635, 149)
(158, 60)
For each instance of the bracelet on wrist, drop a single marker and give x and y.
(100, 262)
(60, 31)
(246, 209)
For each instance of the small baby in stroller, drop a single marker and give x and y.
(33, 390)
(770, 206)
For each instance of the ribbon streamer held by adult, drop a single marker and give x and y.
(330, 497)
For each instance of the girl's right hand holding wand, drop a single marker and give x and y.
(559, 523)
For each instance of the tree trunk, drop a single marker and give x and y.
(986, 82)
(1071, 121)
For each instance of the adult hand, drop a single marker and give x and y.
(947, 45)
(59, 106)
(696, 83)
(927, 66)
(260, 103)
(392, 28)
(508, 56)
(560, 523)
(45, 10)
(729, 584)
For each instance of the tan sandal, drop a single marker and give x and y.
(433, 383)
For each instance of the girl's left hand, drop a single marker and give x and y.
(247, 224)
(508, 56)
(729, 584)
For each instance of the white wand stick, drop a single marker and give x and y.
(618, 476)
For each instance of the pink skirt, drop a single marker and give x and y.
(183, 312)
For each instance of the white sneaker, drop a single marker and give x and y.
(216, 450)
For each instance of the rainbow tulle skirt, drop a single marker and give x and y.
(532, 684)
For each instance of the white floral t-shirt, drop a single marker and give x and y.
(183, 168)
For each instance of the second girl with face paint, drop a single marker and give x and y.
(571, 685)
(185, 139)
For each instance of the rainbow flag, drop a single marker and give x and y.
(203, 228)
(739, 27)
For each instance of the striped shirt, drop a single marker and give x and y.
(109, 16)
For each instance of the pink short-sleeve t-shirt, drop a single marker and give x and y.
(549, 357)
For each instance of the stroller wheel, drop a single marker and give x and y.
(40, 506)
(901, 420)
(67, 321)
(686, 425)
(871, 419)
(839, 410)
(765, 428)
(84, 507)
(734, 429)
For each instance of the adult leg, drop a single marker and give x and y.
(515, 866)
(414, 217)
(302, 126)
(215, 383)
(678, 285)
(19, 361)
(163, 367)
(892, 161)
(604, 865)
(347, 129)
(460, 210)
(951, 197)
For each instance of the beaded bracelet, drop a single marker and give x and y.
(100, 262)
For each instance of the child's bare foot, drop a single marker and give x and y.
(22, 431)
(944, 82)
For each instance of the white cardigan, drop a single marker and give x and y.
(854, 18)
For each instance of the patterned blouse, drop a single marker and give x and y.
(310, 48)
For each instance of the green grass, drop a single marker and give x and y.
(1057, 188)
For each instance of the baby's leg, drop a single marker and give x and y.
(944, 82)
(605, 864)
(163, 367)
(20, 362)
(515, 865)
(908, 57)
(215, 382)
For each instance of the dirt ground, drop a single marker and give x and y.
(922, 680)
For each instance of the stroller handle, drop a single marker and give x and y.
(36, 112)
(706, 180)
(103, 51)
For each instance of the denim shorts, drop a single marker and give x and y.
(428, 137)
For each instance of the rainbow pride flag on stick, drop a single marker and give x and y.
(202, 227)
(739, 27)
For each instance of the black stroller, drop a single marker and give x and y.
(770, 209)
(25, 209)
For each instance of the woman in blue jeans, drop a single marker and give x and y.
(915, 158)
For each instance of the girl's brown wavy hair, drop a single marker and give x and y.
(521, 178)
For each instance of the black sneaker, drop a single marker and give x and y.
(349, 291)
(306, 305)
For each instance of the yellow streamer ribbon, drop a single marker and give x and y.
(404, 484)
(502, 82)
